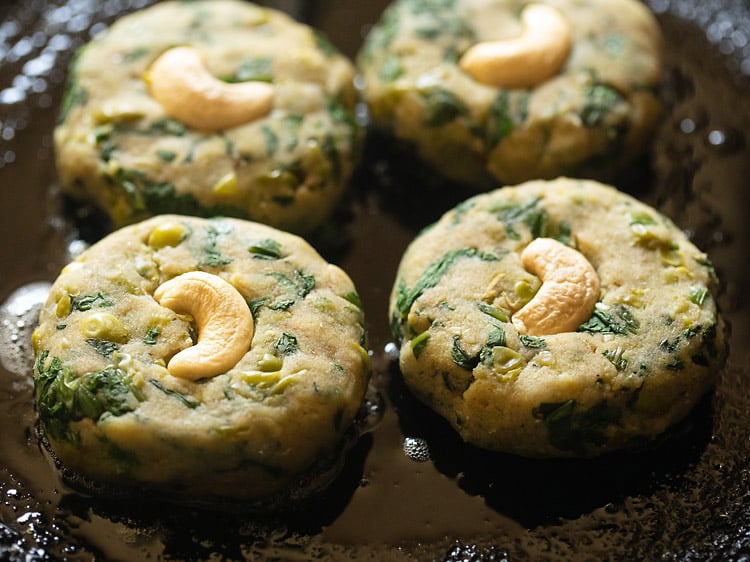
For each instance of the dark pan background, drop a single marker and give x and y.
(687, 497)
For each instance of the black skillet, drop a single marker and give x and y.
(409, 489)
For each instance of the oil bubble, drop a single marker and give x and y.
(417, 449)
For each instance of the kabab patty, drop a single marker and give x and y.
(590, 118)
(114, 408)
(125, 150)
(556, 318)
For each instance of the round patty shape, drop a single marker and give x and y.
(590, 118)
(474, 294)
(115, 409)
(120, 148)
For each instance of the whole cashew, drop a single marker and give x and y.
(569, 291)
(223, 319)
(526, 60)
(179, 81)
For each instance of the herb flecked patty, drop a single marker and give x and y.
(647, 349)
(591, 118)
(112, 411)
(117, 147)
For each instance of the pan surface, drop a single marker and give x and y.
(409, 489)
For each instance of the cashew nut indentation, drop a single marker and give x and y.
(180, 82)
(223, 320)
(569, 291)
(526, 60)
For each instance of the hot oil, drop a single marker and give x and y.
(409, 488)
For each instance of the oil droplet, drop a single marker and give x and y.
(687, 126)
(18, 318)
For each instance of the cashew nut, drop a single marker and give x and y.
(569, 291)
(526, 60)
(223, 320)
(179, 81)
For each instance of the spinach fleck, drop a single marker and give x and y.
(151, 336)
(461, 357)
(281, 304)
(600, 100)
(258, 69)
(391, 68)
(75, 94)
(186, 400)
(302, 283)
(271, 139)
(615, 356)
(285, 345)
(212, 256)
(572, 429)
(532, 342)
(617, 319)
(87, 302)
(64, 397)
(324, 44)
(495, 338)
(442, 107)
(266, 249)
(104, 348)
(430, 277)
